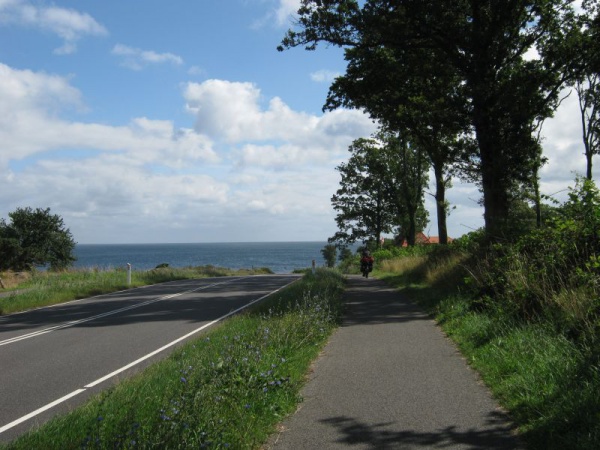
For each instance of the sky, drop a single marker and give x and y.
(148, 121)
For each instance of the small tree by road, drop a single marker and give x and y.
(35, 237)
(329, 253)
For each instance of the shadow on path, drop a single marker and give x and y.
(497, 436)
(362, 310)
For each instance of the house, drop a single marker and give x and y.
(422, 239)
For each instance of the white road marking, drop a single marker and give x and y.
(109, 313)
(137, 361)
(40, 410)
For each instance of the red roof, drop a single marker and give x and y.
(421, 238)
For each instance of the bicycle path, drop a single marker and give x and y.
(389, 378)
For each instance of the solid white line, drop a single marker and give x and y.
(109, 313)
(137, 361)
(40, 410)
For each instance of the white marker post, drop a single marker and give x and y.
(313, 266)
(128, 274)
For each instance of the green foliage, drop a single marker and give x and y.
(35, 238)
(530, 330)
(553, 270)
(227, 389)
(453, 68)
(381, 189)
(329, 253)
(391, 252)
(363, 202)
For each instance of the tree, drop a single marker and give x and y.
(363, 200)
(407, 179)
(423, 99)
(35, 238)
(484, 42)
(382, 188)
(588, 92)
(329, 253)
(588, 82)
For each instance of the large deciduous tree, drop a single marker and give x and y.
(35, 238)
(422, 99)
(587, 84)
(362, 202)
(381, 190)
(484, 43)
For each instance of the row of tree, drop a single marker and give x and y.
(455, 87)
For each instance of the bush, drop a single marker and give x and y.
(552, 272)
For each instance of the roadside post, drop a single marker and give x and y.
(313, 266)
(128, 274)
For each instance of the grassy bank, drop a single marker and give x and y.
(36, 289)
(227, 389)
(542, 363)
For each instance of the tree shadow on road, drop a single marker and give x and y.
(372, 302)
(497, 435)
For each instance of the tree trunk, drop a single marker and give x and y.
(494, 176)
(440, 200)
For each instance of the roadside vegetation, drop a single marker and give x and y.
(526, 316)
(226, 389)
(34, 289)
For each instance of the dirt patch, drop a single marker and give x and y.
(11, 280)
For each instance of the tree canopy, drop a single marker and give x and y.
(35, 238)
(475, 52)
(381, 190)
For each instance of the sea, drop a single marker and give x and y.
(280, 257)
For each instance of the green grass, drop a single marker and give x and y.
(227, 389)
(548, 381)
(49, 288)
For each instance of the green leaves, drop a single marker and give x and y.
(381, 189)
(35, 238)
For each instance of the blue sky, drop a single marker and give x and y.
(153, 121)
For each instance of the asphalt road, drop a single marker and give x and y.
(390, 379)
(53, 359)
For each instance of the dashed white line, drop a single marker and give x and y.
(109, 313)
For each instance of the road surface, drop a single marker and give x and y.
(52, 359)
(389, 379)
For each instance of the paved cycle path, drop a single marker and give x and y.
(390, 379)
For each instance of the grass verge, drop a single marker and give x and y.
(548, 381)
(227, 389)
(48, 288)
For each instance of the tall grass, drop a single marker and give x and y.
(227, 389)
(536, 346)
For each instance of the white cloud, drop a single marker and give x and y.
(280, 15)
(232, 111)
(247, 172)
(137, 59)
(196, 71)
(68, 24)
(249, 161)
(563, 145)
(30, 104)
(324, 76)
(285, 10)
